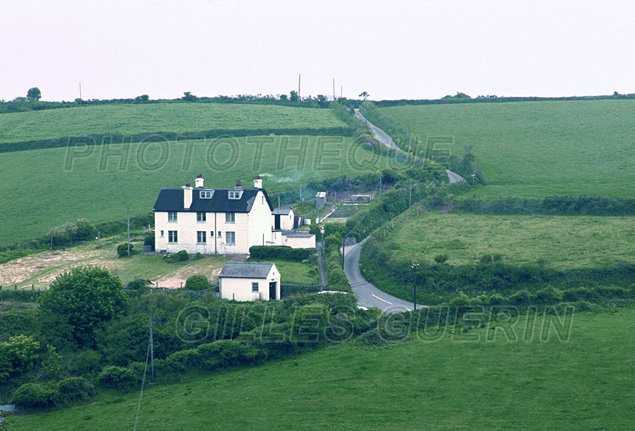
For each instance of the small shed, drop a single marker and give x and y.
(283, 219)
(320, 200)
(249, 281)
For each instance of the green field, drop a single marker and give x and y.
(40, 189)
(561, 242)
(131, 119)
(536, 149)
(455, 383)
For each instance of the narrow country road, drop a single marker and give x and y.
(367, 294)
(385, 139)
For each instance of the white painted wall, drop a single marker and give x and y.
(299, 242)
(260, 222)
(240, 289)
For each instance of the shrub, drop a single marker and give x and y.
(149, 240)
(280, 252)
(117, 378)
(181, 256)
(139, 284)
(122, 249)
(441, 258)
(75, 389)
(86, 363)
(197, 282)
(36, 395)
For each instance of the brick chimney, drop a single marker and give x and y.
(258, 182)
(198, 182)
(187, 196)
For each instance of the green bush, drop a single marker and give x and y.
(36, 395)
(122, 249)
(441, 258)
(149, 240)
(117, 378)
(139, 284)
(280, 253)
(75, 389)
(86, 363)
(181, 256)
(197, 282)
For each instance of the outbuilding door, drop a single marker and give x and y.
(272, 290)
(276, 223)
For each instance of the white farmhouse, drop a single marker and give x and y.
(246, 281)
(212, 221)
(220, 221)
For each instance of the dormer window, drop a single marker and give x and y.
(235, 194)
(206, 194)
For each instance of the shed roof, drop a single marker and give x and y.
(282, 211)
(246, 270)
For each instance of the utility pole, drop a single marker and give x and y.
(410, 204)
(301, 198)
(152, 348)
(80, 90)
(98, 239)
(333, 89)
(299, 85)
(380, 187)
(278, 201)
(128, 210)
(414, 280)
(343, 251)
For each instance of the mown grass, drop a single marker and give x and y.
(40, 269)
(537, 149)
(40, 189)
(560, 242)
(294, 272)
(455, 383)
(132, 119)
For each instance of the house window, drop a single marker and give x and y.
(206, 194)
(173, 236)
(235, 194)
(230, 217)
(230, 239)
(219, 235)
(161, 234)
(201, 217)
(172, 216)
(254, 286)
(201, 237)
(211, 234)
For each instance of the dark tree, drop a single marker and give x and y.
(81, 299)
(33, 94)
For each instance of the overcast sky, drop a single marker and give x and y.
(391, 49)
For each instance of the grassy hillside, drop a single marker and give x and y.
(451, 384)
(557, 241)
(536, 149)
(160, 117)
(44, 188)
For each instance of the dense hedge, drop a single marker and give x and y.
(491, 281)
(102, 139)
(552, 205)
(280, 252)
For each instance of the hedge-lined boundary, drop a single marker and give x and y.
(280, 252)
(551, 205)
(101, 139)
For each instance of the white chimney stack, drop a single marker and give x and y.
(198, 182)
(187, 196)
(258, 182)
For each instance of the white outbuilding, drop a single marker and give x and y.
(249, 281)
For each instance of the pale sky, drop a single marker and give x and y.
(391, 49)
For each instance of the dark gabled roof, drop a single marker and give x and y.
(171, 199)
(246, 270)
(282, 211)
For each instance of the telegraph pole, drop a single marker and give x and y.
(380, 187)
(414, 280)
(152, 348)
(128, 210)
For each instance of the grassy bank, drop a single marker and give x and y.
(536, 149)
(451, 384)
